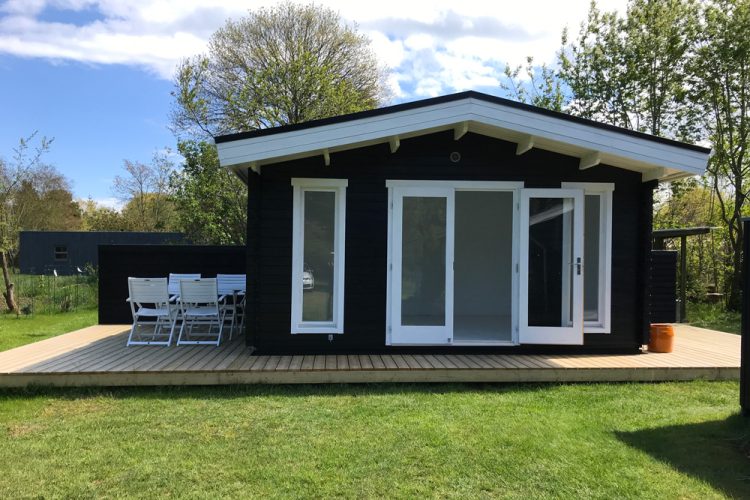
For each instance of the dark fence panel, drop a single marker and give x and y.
(118, 262)
(663, 287)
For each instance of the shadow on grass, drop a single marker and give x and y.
(716, 452)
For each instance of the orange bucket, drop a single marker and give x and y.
(662, 338)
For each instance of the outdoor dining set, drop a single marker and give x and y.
(198, 308)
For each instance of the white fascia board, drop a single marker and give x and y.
(591, 138)
(408, 123)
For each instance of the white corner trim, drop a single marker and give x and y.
(394, 143)
(525, 145)
(590, 160)
(460, 130)
(590, 187)
(653, 175)
(320, 182)
(472, 185)
(300, 186)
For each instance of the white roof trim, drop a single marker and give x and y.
(655, 160)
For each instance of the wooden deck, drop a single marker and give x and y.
(97, 356)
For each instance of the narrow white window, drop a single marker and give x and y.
(318, 225)
(597, 254)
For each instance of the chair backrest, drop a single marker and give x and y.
(199, 291)
(148, 290)
(229, 283)
(174, 281)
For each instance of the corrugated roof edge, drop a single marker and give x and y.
(449, 98)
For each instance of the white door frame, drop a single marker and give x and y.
(396, 188)
(572, 332)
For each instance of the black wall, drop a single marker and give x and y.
(118, 262)
(427, 157)
(663, 286)
(37, 248)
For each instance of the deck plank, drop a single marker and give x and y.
(296, 363)
(342, 362)
(377, 361)
(284, 363)
(354, 363)
(319, 362)
(308, 362)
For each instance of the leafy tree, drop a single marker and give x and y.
(279, 65)
(44, 202)
(722, 83)
(542, 86)
(95, 217)
(211, 201)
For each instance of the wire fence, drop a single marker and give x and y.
(47, 293)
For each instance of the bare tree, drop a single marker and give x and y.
(145, 190)
(27, 156)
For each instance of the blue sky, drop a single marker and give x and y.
(96, 74)
(98, 116)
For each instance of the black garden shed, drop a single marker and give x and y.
(461, 222)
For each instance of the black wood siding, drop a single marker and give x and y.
(426, 158)
(118, 262)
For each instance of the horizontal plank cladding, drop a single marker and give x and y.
(663, 286)
(118, 262)
(422, 158)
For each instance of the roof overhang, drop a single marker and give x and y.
(529, 127)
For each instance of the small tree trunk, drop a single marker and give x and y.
(10, 297)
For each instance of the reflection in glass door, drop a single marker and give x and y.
(422, 300)
(551, 288)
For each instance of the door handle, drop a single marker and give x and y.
(579, 265)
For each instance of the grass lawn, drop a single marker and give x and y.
(26, 329)
(714, 317)
(670, 440)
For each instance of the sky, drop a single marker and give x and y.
(96, 75)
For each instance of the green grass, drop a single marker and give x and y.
(670, 440)
(714, 317)
(16, 331)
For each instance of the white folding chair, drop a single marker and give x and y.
(231, 288)
(174, 283)
(199, 306)
(149, 298)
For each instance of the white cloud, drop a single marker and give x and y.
(108, 202)
(431, 48)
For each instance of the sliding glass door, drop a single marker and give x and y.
(485, 264)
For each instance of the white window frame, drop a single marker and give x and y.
(300, 187)
(604, 190)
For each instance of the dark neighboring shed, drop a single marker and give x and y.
(41, 252)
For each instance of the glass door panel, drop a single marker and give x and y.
(423, 261)
(422, 266)
(551, 266)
